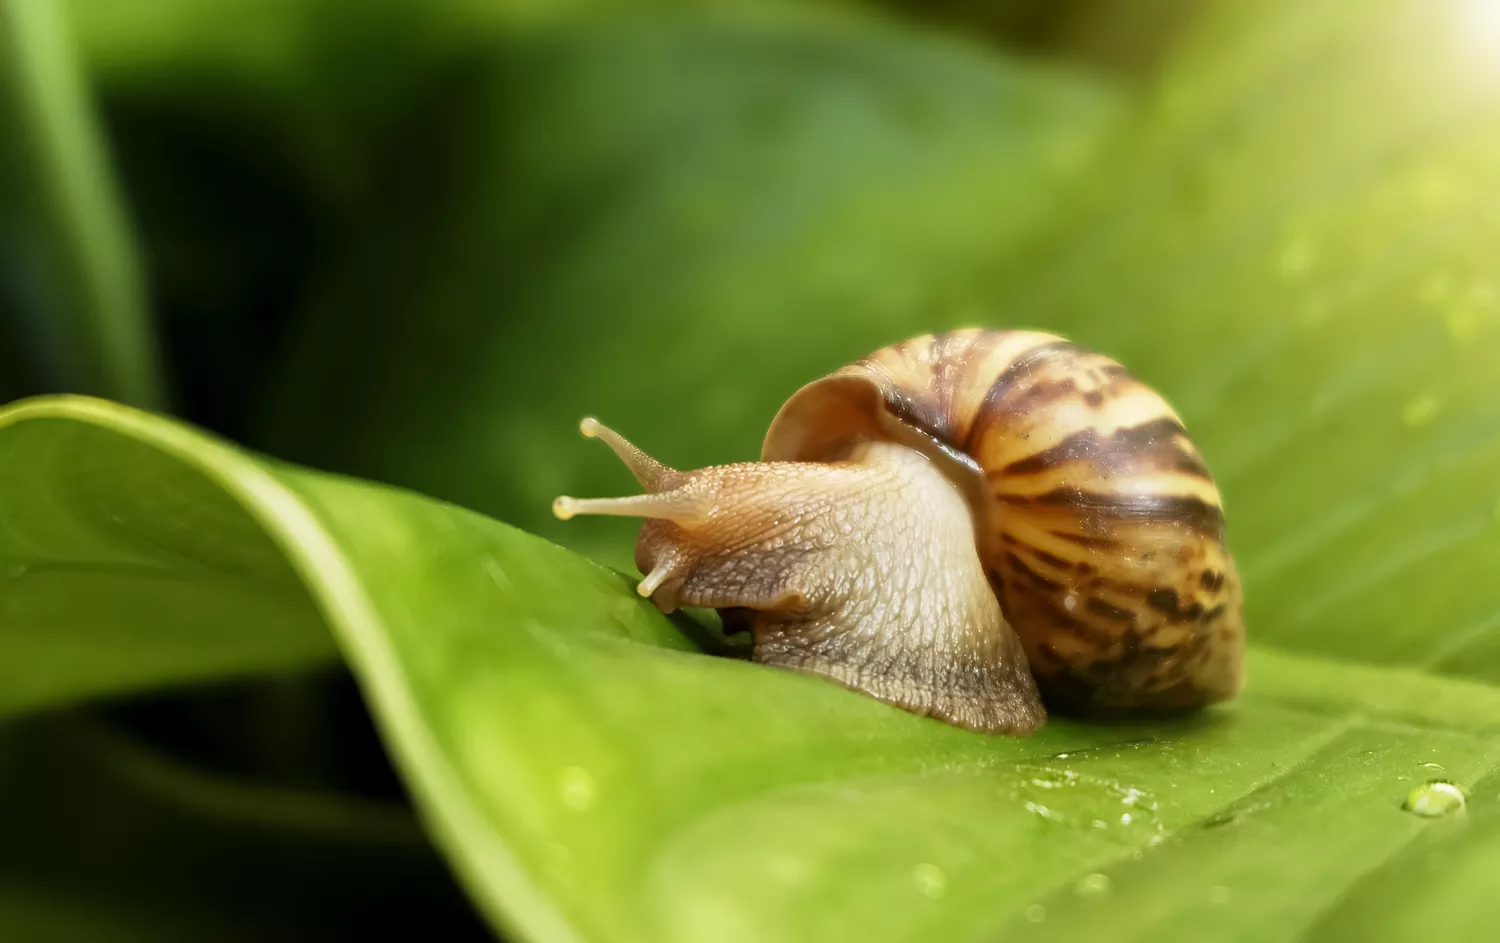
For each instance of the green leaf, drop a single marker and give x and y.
(123, 569)
(417, 593)
(599, 772)
(1295, 244)
(818, 187)
(79, 322)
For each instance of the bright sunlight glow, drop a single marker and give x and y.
(1481, 21)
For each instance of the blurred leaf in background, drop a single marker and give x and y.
(76, 311)
(1128, 40)
(249, 134)
(600, 232)
(416, 242)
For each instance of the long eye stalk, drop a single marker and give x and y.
(653, 475)
(668, 496)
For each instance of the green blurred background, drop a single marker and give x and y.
(415, 242)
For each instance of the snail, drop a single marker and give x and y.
(976, 526)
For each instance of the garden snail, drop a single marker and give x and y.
(963, 525)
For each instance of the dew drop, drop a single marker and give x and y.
(1041, 811)
(1435, 799)
(1071, 798)
(576, 788)
(930, 879)
(1070, 602)
(1296, 258)
(1036, 913)
(1435, 767)
(1125, 818)
(1420, 410)
(1218, 894)
(1094, 885)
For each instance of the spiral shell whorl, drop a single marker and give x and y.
(1099, 525)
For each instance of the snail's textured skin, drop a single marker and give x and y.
(1096, 519)
(874, 582)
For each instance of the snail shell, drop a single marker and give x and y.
(1096, 518)
(964, 524)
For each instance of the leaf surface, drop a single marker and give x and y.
(597, 771)
(1294, 243)
(122, 569)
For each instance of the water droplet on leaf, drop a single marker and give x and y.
(1037, 809)
(1420, 410)
(930, 879)
(1036, 913)
(1094, 885)
(1296, 257)
(1435, 799)
(576, 788)
(1071, 798)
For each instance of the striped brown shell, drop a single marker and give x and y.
(1096, 518)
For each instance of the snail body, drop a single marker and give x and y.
(968, 525)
